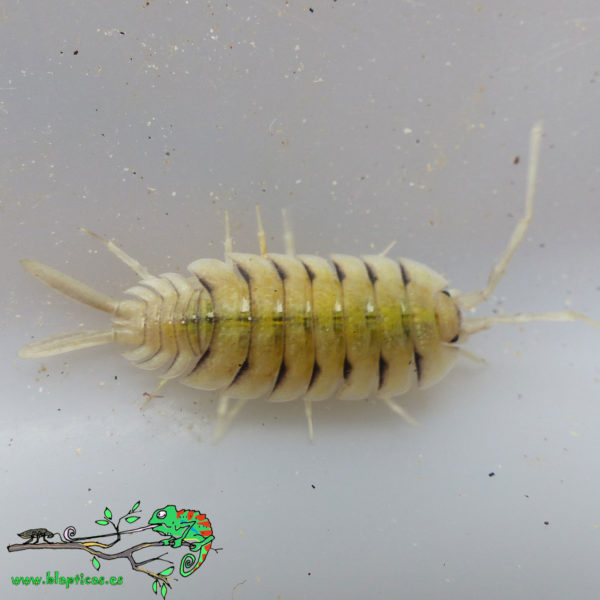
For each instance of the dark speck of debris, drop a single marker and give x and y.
(122, 32)
(312, 485)
(312, 10)
(492, 474)
(546, 522)
(516, 160)
(309, 573)
(75, 52)
(115, 377)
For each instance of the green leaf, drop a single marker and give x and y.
(167, 571)
(155, 586)
(135, 506)
(101, 522)
(96, 563)
(107, 513)
(163, 590)
(131, 519)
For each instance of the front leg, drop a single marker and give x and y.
(176, 542)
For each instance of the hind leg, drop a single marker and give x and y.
(288, 234)
(400, 411)
(133, 264)
(161, 384)
(228, 241)
(308, 413)
(225, 416)
(262, 239)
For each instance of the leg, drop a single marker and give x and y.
(474, 299)
(133, 264)
(288, 236)
(228, 240)
(400, 411)
(160, 386)
(387, 248)
(262, 240)
(469, 355)
(308, 413)
(225, 416)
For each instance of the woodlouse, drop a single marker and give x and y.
(285, 326)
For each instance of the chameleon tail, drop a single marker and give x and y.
(192, 562)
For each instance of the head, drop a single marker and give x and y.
(164, 519)
(447, 316)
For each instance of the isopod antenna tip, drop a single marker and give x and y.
(475, 325)
(474, 299)
(76, 290)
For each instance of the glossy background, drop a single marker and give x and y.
(372, 122)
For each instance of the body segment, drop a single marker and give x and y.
(282, 327)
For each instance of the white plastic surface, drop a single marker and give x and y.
(372, 122)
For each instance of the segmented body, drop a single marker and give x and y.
(282, 327)
(37, 533)
(200, 532)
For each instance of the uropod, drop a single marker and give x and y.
(288, 326)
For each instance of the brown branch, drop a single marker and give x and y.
(89, 548)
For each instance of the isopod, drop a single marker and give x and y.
(286, 326)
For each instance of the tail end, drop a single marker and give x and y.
(76, 290)
(69, 287)
(66, 342)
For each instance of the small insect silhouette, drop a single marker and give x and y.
(30, 534)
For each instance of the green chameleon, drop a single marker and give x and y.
(184, 526)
